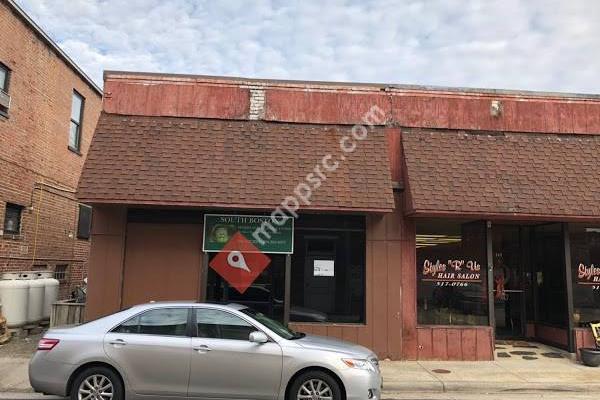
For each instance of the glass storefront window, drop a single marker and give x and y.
(265, 294)
(327, 274)
(328, 269)
(451, 272)
(585, 267)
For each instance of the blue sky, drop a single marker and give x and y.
(547, 45)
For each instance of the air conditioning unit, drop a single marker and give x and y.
(4, 100)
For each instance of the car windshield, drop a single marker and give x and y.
(273, 325)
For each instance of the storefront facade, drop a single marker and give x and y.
(422, 223)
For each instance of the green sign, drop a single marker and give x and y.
(269, 234)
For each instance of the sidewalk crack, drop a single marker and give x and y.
(433, 376)
(510, 372)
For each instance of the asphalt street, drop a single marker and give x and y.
(403, 396)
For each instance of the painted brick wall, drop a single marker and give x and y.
(33, 154)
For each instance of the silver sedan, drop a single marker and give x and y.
(200, 351)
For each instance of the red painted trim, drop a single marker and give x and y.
(455, 327)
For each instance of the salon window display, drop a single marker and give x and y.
(585, 267)
(451, 273)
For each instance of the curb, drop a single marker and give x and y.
(392, 390)
(486, 387)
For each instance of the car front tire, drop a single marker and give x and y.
(315, 385)
(97, 383)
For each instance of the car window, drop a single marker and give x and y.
(129, 326)
(217, 324)
(160, 321)
(164, 321)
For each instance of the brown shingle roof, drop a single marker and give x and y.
(512, 174)
(236, 164)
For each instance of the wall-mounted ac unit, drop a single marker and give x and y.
(4, 100)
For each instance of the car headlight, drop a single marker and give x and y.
(359, 363)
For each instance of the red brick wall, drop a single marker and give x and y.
(33, 150)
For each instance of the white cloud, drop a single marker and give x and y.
(518, 44)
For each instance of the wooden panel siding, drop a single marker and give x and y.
(552, 335)
(437, 109)
(395, 155)
(176, 100)
(105, 265)
(162, 262)
(583, 338)
(464, 343)
(382, 331)
(323, 107)
(334, 103)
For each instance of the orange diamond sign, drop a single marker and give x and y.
(239, 262)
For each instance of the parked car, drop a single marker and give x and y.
(175, 350)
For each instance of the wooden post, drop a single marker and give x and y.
(569, 283)
(288, 289)
(490, 280)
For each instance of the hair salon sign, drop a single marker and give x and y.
(457, 272)
(588, 275)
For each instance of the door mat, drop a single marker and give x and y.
(522, 353)
(553, 355)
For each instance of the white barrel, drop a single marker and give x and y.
(11, 275)
(14, 294)
(51, 287)
(35, 302)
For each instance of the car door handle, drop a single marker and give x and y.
(118, 342)
(202, 348)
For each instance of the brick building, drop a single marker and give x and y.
(48, 111)
(447, 219)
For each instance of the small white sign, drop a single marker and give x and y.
(324, 268)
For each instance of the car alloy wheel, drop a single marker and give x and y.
(95, 387)
(315, 389)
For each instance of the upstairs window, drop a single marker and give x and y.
(12, 219)
(4, 97)
(76, 119)
(4, 74)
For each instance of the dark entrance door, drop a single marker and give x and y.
(319, 289)
(529, 289)
(509, 283)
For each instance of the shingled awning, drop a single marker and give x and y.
(230, 164)
(541, 176)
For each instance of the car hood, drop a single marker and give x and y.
(330, 344)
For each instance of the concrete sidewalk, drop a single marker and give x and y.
(13, 374)
(515, 375)
(424, 377)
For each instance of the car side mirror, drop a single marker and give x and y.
(258, 337)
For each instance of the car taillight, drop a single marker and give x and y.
(47, 344)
